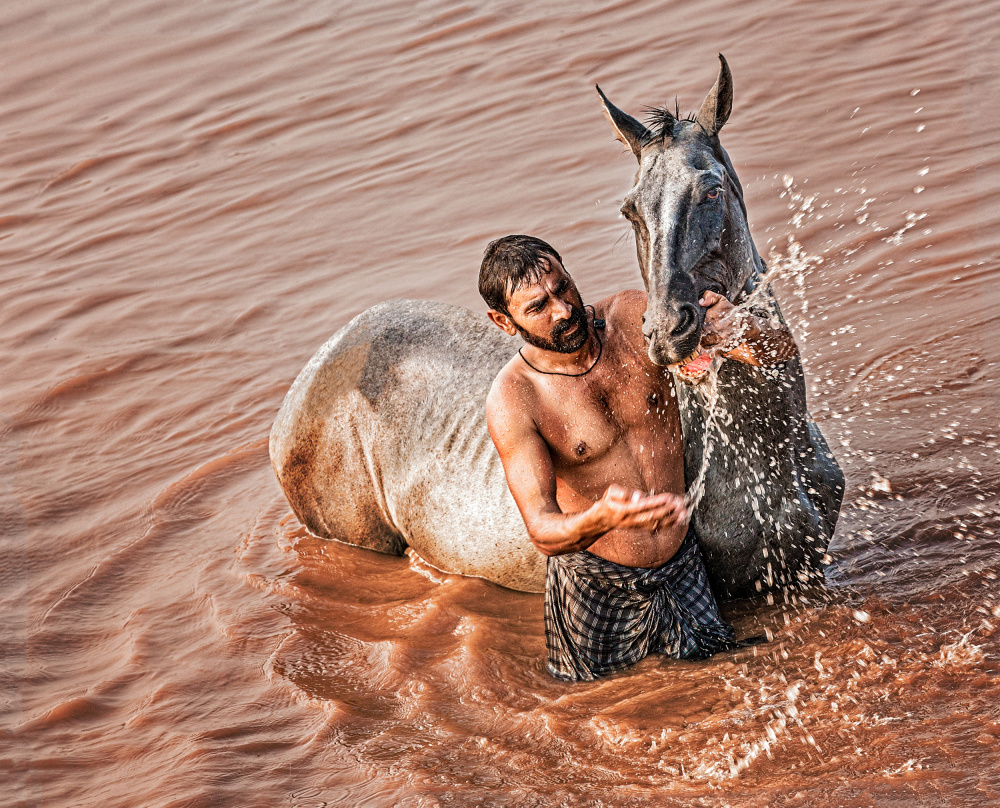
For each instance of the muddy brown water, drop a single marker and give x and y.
(195, 196)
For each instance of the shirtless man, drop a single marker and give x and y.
(589, 434)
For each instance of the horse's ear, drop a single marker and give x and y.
(719, 103)
(628, 130)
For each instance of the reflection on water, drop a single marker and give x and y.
(193, 198)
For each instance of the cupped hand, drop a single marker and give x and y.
(622, 507)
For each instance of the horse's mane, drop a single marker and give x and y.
(660, 121)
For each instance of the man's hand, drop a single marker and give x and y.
(740, 335)
(620, 507)
(724, 324)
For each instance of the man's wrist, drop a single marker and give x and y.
(559, 533)
(588, 524)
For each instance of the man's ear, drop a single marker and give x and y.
(502, 321)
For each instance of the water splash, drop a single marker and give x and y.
(710, 386)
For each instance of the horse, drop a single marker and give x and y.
(381, 441)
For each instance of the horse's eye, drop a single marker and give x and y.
(713, 194)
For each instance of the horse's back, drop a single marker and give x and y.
(382, 442)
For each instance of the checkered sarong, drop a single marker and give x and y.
(601, 617)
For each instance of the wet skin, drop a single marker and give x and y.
(760, 342)
(594, 461)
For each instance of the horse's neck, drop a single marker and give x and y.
(774, 391)
(757, 274)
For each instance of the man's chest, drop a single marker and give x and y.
(584, 418)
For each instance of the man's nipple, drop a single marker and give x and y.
(580, 449)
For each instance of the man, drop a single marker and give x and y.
(589, 434)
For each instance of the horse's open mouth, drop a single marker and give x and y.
(693, 368)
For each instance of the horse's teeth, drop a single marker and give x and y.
(681, 362)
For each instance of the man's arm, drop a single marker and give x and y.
(761, 341)
(531, 478)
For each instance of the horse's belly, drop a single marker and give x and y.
(449, 500)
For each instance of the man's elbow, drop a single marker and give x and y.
(776, 357)
(786, 349)
(777, 350)
(547, 545)
(544, 547)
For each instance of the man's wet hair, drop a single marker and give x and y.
(508, 264)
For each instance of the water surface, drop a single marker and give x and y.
(194, 197)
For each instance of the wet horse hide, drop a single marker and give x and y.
(381, 442)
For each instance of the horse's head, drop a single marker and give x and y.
(686, 208)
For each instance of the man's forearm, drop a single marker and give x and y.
(556, 533)
(757, 339)
(560, 533)
(763, 342)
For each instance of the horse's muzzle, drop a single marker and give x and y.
(674, 335)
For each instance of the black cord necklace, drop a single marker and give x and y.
(598, 325)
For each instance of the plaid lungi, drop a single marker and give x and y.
(601, 617)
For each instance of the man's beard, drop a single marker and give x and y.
(560, 343)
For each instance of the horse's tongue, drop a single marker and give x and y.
(699, 364)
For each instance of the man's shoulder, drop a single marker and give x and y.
(629, 303)
(624, 310)
(510, 387)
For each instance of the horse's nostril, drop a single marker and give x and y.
(686, 320)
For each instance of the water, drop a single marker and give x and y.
(195, 196)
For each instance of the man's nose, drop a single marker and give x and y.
(561, 310)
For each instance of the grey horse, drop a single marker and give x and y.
(381, 441)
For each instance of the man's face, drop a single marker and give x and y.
(549, 313)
